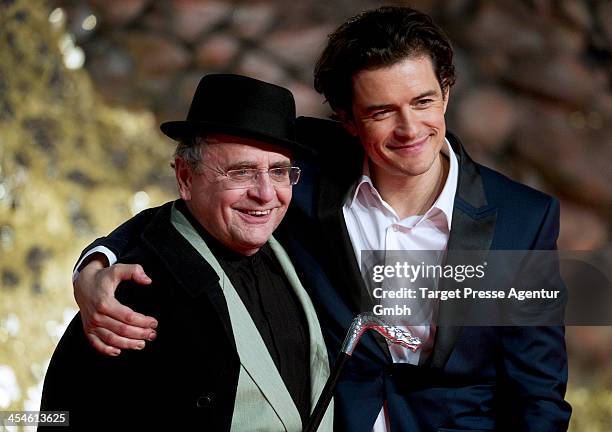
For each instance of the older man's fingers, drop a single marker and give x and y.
(113, 340)
(101, 347)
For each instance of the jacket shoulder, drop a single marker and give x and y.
(526, 218)
(146, 299)
(502, 191)
(327, 139)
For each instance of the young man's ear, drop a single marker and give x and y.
(184, 178)
(348, 122)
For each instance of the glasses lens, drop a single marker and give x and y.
(248, 177)
(240, 178)
(280, 175)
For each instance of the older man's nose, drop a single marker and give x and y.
(262, 189)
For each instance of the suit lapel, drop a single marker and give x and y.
(319, 362)
(343, 266)
(473, 228)
(256, 360)
(339, 247)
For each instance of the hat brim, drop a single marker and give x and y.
(178, 130)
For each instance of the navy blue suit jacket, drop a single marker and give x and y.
(477, 378)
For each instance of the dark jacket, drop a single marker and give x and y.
(188, 377)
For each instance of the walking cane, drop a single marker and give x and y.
(359, 325)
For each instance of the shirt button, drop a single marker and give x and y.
(205, 400)
(395, 228)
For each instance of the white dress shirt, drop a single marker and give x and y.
(372, 224)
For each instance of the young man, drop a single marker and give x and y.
(240, 347)
(404, 183)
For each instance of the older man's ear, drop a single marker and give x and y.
(184, 178)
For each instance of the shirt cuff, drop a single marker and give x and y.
(110, 256)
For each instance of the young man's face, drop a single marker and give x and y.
(398, 114)
(241, 218)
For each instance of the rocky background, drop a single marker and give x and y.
(84, 84)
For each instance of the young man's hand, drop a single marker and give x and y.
(109, 325)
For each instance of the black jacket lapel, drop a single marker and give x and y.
(185, 264)
(341, 254)
(473, 227)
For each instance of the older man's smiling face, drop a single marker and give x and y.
(242, 219)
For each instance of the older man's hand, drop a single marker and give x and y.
(109, 325)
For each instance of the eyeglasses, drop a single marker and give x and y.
(247, 177)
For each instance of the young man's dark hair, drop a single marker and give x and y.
(392, 35)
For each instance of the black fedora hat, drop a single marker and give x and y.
(241, 106)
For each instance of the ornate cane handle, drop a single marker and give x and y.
(367, 320)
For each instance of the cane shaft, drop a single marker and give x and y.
(326, 395)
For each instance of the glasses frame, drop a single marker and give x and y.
(234, 183)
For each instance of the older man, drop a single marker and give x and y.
(404, 183)
(239, 346)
